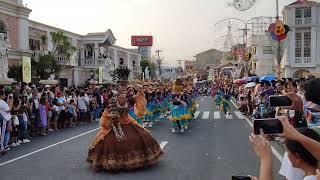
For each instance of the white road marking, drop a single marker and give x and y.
(229, 116)
(216, 115)
(239, 115)
(274, 151)
(196, 114)
(44, 148)
(206, 115)
(163, 144)
(201, 99)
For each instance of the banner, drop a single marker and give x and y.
(26, 69)
(100, 74)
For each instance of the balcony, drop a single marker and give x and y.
(303, 21)
(36, 54)
(93, 62)
(63, 60)
(303, 62)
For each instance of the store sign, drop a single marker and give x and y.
(141, 40)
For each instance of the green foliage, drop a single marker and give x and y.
(45, 66)
(43, 41)
(144, 64)
(61, 40)
(152, 68)
(15, 72)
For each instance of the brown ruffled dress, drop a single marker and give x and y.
(139, 149)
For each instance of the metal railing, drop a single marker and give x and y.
(93, 62)
(303, 21)
(303, 61)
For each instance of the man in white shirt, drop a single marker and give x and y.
(5, 109)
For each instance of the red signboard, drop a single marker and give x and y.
(141, 40)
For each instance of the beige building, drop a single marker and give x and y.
(93, 50)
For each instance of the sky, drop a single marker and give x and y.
(181, 28)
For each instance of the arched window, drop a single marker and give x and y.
(3, 29)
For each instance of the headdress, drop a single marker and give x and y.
(178, 86)
(115, 109)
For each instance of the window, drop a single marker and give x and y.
(307, 12)
(307, 44)
(121, 61)
(299, 12)
(3, 29)
(133, 63)
(267, 50)
(34, 45)
(298, 45)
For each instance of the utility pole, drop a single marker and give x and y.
(159, 62)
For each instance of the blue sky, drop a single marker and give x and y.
(181, 28)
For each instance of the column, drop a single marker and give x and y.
(23, 33)
(96, 50)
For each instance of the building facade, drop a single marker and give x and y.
(262, 61)
(92, 51)
(302, 55)
(169, 72)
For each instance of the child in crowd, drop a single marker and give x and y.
(56, 114)
(43, 115)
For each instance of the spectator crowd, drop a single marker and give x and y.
(300, 121)
(27, 110)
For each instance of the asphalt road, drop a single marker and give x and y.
(215, 148)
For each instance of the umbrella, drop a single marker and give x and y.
(239, 81)
(250, 85)
(268, 78)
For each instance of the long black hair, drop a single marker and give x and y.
(297, 148)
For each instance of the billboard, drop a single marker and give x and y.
(141, 40)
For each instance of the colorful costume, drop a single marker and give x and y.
(121, 143)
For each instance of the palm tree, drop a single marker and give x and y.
(61, 40)
(43, 42)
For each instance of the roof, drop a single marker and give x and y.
(210, 50)
(303, 2)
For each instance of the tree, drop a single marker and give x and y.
(43, 42)
(15, 72)
(144, 64)
(152, 68)
(59, 40)
(45, 67)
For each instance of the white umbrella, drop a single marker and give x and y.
(250, 85)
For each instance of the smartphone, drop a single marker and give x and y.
(279, 101)
(241, 178)
(269, 126)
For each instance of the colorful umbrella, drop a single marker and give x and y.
(250, 85)
(268, 78)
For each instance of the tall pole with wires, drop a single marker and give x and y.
(159, 62)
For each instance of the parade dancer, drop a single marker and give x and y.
(121, 143)
(218, 99)
(149, 117)
(177, 110)
(225, 105)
